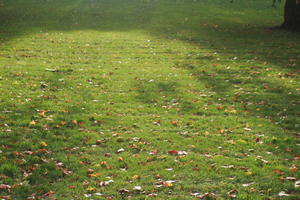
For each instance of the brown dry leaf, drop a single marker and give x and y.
(232, 193)
(288, 150)
(67, 172)
(5, 197)
(208, 195)
(123, 191)
(294, 168)
(133, 146)
(297, 157)
(90, 171)
(4, 187)
(85, 183)
(49, 194)
(74, 149)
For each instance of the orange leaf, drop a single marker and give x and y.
(219, 107)
(175, 122)
(294, 168)
(95, 175)
(120, 159)
(278, 172)
(91, 189)
(297, 157)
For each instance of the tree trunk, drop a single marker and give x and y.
(292, 15)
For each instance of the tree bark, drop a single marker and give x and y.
(292, 15)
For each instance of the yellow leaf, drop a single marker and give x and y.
(32, 123)
(135, 177)
(91, 189)
(167, 184)
(95, 175)
(249, 173)
(42, 113)
(44, 144)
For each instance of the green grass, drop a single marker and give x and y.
(81, 79)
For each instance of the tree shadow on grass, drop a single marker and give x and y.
(25, 17)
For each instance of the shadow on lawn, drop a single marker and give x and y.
(25, 17)
(225, 31)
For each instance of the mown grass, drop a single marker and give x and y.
(82, 79)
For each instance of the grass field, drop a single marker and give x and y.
(148, 99)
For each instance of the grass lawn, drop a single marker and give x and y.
(148, 99)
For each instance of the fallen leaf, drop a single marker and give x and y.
(95, 175)
(74, 149)
(135, 177)
(290, 178)
(283, 194)
(182, 153)
(227, 166)
(4, 187)
(294, 168)
(277, 172)
(33, 122)
(208, 195)
(5, 197)
(49, 194)
(137, 188)
(297, 184)
(173, 152)
(123, 191)
(42, 113)
(232, 193)
(85, 183)
(174, 122)
(120, 150)
(168, 183)
(91, 189)
(105, 183)
(247, 184)
(297, 157)
(44, 144)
